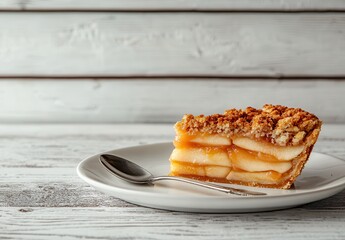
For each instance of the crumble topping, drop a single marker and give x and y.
(277, 124)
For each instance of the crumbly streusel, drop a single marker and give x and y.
(277, 124)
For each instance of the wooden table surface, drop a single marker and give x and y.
(41, 196)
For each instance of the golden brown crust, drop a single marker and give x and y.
(274, 123)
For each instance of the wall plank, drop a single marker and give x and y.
(144, 100)
(172, 44)
(219, 5)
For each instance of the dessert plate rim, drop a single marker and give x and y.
(323, 176)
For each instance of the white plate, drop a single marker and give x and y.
(322, 177)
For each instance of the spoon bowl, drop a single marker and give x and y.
(126, 170)
(133, 173)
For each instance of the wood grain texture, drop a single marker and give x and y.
(139, 223)
(172, 44)
(144, 100)
(41, 196)
(190, 5)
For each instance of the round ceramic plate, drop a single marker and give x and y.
(322, 177)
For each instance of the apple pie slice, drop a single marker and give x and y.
(265, 147)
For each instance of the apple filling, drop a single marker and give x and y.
(233, 160)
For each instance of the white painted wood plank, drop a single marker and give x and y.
(190, 5)
(172, 44)
(143, 100)
(139, 223)
(64, 193)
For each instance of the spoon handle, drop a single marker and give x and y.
(208, 185)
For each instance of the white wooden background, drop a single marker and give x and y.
(69, 68)
(126, 61)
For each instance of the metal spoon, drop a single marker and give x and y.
(131, 172)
